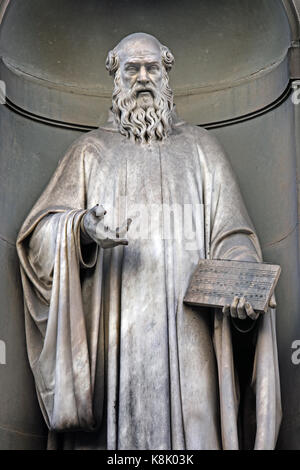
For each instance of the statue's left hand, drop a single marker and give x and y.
(242, 309)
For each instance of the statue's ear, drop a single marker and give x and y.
(167, 58)
(112, 62)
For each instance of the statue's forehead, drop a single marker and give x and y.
(139, 50)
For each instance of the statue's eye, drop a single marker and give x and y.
(153, 68)
(131, 69)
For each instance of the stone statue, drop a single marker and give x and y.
(119, 361)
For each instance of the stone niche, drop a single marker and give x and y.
(232, 75)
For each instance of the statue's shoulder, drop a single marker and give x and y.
(92, 142)
(95, 137)
(201, 135)
(208, 145)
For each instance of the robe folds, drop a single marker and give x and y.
(119, 361)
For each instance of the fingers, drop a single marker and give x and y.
(98, 211)
(241, 309)
(121, 241)
(233, 307)
(121, 231)
(272, 302)
(112, 242)
(226, 310)
(108, 238)
(250, 312)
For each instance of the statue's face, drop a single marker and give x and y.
(142, 99)
(141, 70)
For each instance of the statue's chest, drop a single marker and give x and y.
(160, 173)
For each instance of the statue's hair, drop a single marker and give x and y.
(112, 61)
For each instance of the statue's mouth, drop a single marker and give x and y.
(145, 92)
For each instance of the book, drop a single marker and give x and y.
(215, 283)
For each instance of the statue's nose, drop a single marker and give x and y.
(143, 78)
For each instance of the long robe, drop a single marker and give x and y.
(119, 361)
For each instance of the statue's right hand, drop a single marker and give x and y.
(94, 227)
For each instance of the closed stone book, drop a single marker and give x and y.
(216, 282)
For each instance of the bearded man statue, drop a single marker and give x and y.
(142, 120)
(119, 361)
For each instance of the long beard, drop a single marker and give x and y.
(140, 124)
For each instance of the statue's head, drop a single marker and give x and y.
(142, 100)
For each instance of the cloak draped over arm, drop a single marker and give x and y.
(58, 337)
(230, 235)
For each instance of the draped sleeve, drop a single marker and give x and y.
(230, 235)
(61, 349)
